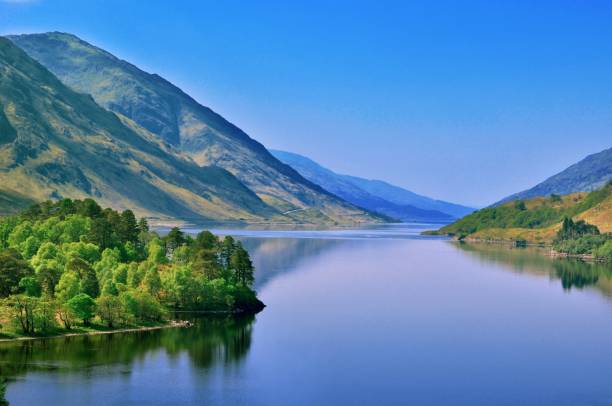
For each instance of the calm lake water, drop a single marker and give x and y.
(375, 316)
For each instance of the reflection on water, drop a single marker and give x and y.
(212, 340)
(572, 273)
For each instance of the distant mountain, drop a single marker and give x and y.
(168, 113)
(55, 142)
(587, 175)
(374, 195)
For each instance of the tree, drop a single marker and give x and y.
(88, 279)
(152, 282)
(89, 208)
(30, 286)
(110, 288)
(21, 309)
(227, 248)
(109, 309)
(66, 315)
(68, 286)
(128, 227)
(102, 233)
(83, 306)
(89, 283)
(12, 269)
(242, 266)
(572, 230)
(174, 239)
(156, 252)
(143, 225)
(520, 205)
(44, 315)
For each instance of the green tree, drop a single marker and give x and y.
(128, 227)
(174, 239)
(242, 266)
(66, 315)
(12, 269)
(109, 309)
(21, 311)
(68, 286)
(30, 286)
(228, 246)
(44, 315)
(152, 282)
(110, 288)
(156, 252)
(83, 306)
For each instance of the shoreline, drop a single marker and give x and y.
(172, 324)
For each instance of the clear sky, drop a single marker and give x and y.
(467, 101)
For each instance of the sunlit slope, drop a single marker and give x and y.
(55, 142)
(174, 117)
(535, 220)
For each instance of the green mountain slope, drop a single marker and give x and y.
(55, 142)
(374, 195)
(589, 174)
(173, 116)
(537, 219)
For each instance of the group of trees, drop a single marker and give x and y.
(69, 262)
(581, 238)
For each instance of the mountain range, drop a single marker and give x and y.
(375, 195)
(76, 121)
(589, 174)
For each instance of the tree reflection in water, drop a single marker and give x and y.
(572, 273)
(212, 340)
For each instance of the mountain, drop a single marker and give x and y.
(400, 196)
(178, 120)
(55, 142)
(374, 195)
(589, 174)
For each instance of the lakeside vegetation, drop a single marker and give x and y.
(578, 224)
(71, 266)
(582, 239)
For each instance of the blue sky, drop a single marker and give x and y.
(467, 101)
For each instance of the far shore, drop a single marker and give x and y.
(172, 324)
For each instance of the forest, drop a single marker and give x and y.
(72, 265)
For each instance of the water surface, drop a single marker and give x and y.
(378, 316)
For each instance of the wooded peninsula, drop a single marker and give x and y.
(71, 266)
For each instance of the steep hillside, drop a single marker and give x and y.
(12, 203)
(589, 174)
(374, 195)
(173, 116)
(537, 219)
(55, 143)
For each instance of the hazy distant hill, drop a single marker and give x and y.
(374, 195)
(589, 174)
(170, 114)
(55, 143)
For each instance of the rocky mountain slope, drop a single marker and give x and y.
(55, 142)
